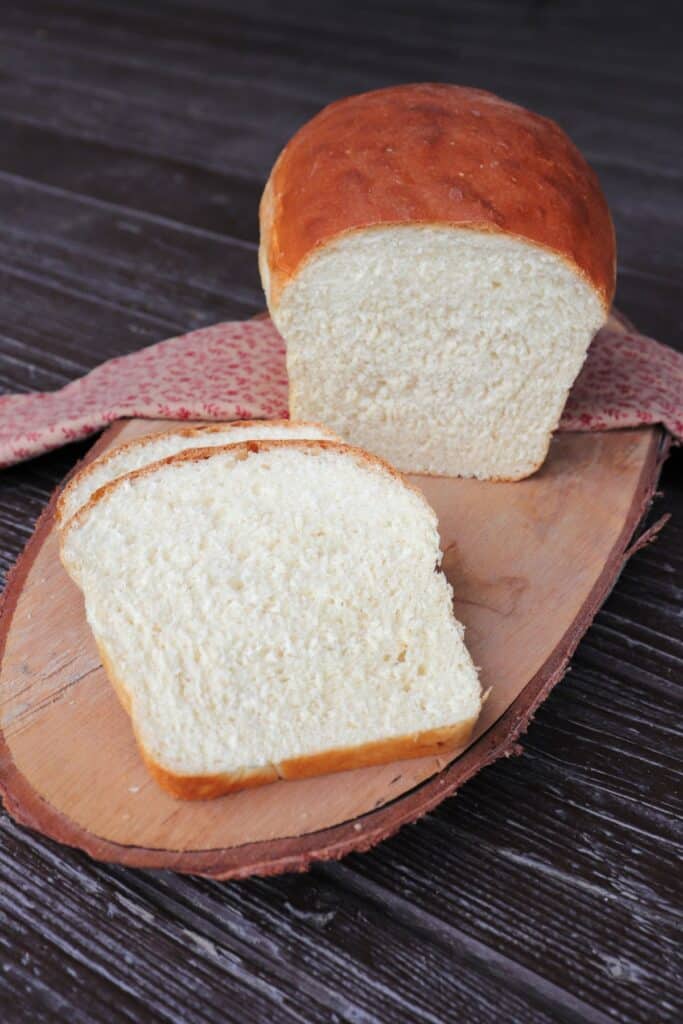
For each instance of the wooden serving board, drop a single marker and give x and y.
(530, 562)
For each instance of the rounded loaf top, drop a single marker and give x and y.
(434, 154)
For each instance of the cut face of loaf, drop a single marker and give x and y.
(272, 609)
(142, 451)
(444, 350)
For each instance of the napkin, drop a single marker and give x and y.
(237, 370)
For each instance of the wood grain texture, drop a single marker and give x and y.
(548, 891)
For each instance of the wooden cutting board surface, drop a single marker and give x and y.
(530, 563)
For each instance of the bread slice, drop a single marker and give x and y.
(438, 261)
(142, 451)
(272, 609)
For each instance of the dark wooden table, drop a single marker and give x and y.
(134, 142)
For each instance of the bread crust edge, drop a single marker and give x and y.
(241, 450)
(431, 742)
(199, 429)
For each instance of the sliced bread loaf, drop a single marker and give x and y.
(272, 609)
(142, 451)
(437, 261)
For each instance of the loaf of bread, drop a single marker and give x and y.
(272, 609)
(142, 451)
(438, 261)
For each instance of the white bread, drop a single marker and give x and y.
(272, 609)
(142, 451)
(437, 261)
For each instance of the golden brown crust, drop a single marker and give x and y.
(207, 787)
(198, 430)
(343, 759)
(398, 748)
(433, 154)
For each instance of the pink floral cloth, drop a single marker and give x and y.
(237, 371)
